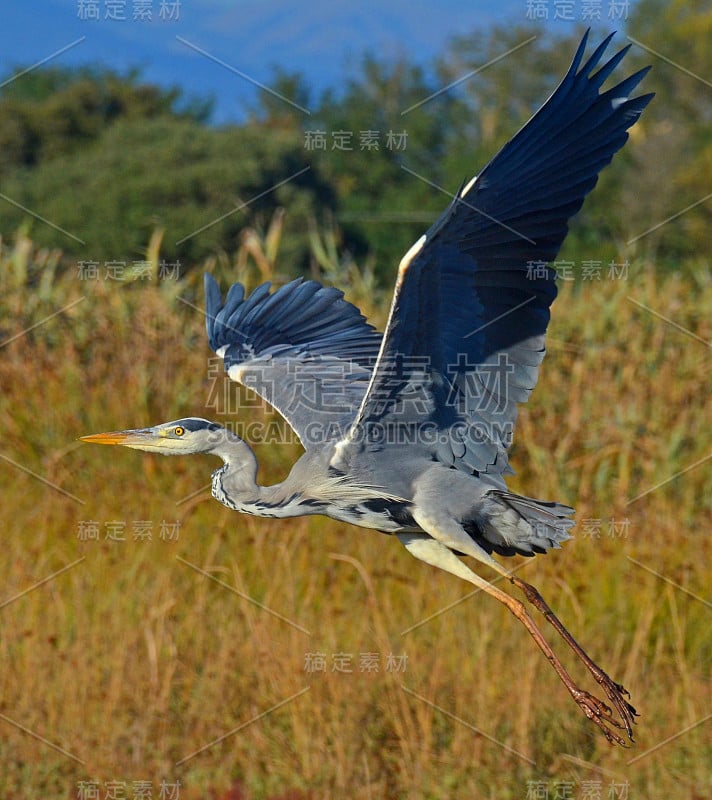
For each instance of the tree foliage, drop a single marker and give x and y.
(110, 158)
(177, 175)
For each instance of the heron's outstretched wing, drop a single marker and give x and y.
(303, 348)
(465, 335)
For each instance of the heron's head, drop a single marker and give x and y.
(180, 437)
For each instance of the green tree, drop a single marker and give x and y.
(677, 148)
(377, 132)
(172, 174)
(53, 112)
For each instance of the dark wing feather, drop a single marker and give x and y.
(473, 295)
(303, 348)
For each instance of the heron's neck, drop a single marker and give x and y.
(235, 485)
(240, 470)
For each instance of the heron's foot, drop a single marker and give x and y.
(616, 694)
(602, 714)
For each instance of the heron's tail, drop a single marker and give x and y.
(512, 524)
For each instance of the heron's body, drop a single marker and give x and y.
(407, 432)
(376, 497)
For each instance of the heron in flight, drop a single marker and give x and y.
(407, 432)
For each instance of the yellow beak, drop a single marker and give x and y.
(114, 437)
(129, 438)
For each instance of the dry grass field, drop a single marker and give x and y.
(155, 644)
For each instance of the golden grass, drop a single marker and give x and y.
(132, 660)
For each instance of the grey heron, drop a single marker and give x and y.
(407, 432)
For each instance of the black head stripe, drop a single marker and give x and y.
(197, 424)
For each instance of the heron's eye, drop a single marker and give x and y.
(178, 431)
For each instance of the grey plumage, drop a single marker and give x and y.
(303, 349)
(408, 432)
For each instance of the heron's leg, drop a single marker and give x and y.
(433, 552)
(615, 692)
